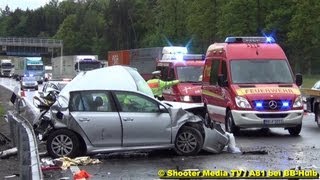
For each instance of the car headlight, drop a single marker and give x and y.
(298, 102)
(185, 98)
(242, 102)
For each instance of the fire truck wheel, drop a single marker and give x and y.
(295, 131)
(229, 124)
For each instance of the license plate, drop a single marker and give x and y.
(273, 121)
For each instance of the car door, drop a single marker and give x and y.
(99, 120)
(142, 120)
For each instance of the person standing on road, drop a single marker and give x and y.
(157, 85)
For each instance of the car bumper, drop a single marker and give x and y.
(257, 119)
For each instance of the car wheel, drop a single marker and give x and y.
(188, 141)
(36, 88)
(63, 143)
(230, 125)
(295, 131)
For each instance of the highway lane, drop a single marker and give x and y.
(275, 150)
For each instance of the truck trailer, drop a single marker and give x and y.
(6, 68)
(69, 66)
(143, 59)
(29, 66)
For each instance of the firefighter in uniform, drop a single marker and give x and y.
(157, 85)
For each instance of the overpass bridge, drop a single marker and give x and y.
(20, 46)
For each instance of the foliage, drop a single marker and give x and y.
(98, 26)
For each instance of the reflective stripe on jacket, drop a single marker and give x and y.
(157, 86)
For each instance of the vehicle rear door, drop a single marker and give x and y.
(143, 122)
(99, 120)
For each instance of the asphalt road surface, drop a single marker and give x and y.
(261, 150)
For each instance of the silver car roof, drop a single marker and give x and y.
(107, 78)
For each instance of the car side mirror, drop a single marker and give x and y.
(59, 115)
(222, 80)
(299, 79)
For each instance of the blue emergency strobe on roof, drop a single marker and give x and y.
(250, 40)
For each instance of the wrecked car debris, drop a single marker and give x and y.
(9, 152)
(176, 128)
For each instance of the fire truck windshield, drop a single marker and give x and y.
(189, 73)
(89, 65)
(261, 71)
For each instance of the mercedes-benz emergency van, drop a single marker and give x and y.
(248, 83)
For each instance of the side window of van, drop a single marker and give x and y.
(214, 72)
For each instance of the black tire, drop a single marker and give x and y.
(36, 88)
(295, 131)
(188, 137)
(54, 144)
(230, 125)
(316, 112)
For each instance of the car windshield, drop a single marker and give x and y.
(260, 71)
(89, 65)
(189, 73)
(140, 82)
(28, 78)
(35, 67)
(6, 65)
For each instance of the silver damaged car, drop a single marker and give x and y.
(117, 112)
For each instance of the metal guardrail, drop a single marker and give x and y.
(34, 42)
(24, 139)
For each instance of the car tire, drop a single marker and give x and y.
(295, 131)
(36, 88)
(54, 143)
(188, 141)
(230, 125)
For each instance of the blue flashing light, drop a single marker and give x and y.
(285, 104)
(250, 40)
(258, 104)
(194, 57)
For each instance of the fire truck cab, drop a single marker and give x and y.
(248, 83)
(187, 68)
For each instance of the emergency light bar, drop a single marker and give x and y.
(194, 57)
(250, 40)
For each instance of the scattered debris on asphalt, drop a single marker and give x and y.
(66, 162)
(9, 152)
(258, 152)
(11, 176)
(231, 147)
(4, 139)
(80, 175)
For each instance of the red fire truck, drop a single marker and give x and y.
(248, 83)
(186, 68)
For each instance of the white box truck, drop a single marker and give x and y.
(67, 67)
(6, 68)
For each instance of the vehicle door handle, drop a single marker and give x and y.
(84, 119)
(128, 119)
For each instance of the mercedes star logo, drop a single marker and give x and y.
(272, 104)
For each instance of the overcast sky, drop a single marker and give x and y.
(22, 4)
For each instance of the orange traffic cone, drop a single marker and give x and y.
(22, 93)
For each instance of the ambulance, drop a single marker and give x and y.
(187, 68)
(248, 83)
